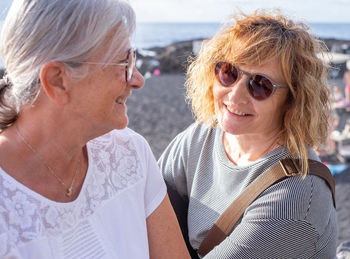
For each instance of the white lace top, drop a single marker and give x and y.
(122, 187)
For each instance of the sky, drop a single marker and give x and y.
(220, 10)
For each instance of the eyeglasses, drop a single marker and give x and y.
(259, 87)
(129, 64)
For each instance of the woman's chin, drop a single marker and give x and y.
(122, 124)
(229, 127)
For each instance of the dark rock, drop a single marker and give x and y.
(174, 58)
(147, 63)
(170, 59)
(335, 45)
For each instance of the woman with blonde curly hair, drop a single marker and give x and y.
(259, 93)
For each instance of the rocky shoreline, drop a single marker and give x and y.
(175, 57)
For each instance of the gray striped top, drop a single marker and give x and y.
(294, 218)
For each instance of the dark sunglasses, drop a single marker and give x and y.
(260, 87)
(129, 64)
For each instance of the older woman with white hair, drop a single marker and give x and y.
(75, 182)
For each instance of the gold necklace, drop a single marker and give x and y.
(69, 189)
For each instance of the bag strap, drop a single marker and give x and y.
(285, 168)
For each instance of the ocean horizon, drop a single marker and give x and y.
(151, 34)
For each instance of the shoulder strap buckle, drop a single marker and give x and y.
(289, 167)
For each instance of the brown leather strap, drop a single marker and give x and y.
(285, 168)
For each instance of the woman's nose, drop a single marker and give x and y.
(137, 81)
(239, 91)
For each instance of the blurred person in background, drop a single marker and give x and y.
(346, 78)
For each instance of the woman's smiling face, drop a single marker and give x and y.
(101, 96)
(238, 113)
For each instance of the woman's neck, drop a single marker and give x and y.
(244, 149)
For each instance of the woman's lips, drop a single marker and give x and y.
(121, 100)
(236, 111)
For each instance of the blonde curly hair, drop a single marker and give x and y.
(256, 40)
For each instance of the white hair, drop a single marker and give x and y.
(68, 31)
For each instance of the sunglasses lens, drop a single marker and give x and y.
(226, 73)
(260, 87)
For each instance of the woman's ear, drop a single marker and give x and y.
(54, 83)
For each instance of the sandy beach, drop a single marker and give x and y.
(159, 112)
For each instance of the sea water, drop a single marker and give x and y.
(161, 34)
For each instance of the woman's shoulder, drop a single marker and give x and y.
(191, 140)
(297, 198)
(121, 136)
(196, 133)
(124, 144)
